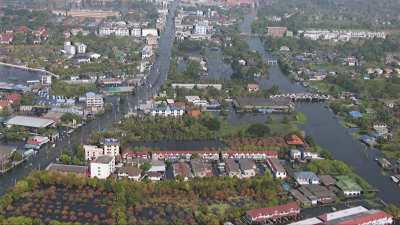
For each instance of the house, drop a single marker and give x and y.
(201, 168)
(69, 49)
(355, 114)
(149, 31)
(167, 111)
(348, 186)
(130, 172)
(276, 32)
(322, 194)
(276, 168)
(80, 48)
(294, 140)
(155, 176)
(232, 168)
(151, 40)
(157, 166)
(327, 180)
(81, 171)
(111, 146)
(295, 154)
(181, 169)
(6, 39)
(5, 156)
(305, 177)
(36, 142)
(92, 152)
(253, 87)
(248, 168)
(102, 167)
(277, 214)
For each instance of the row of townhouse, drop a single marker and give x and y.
(342, 35)
(206, 155)
(122, 29)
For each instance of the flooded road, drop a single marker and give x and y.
(326, 129)
(156, 78)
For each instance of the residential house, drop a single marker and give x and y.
(248, 168)
(6, 39)
(278, 214)
(253, 87)
(81, 171)
(276, 32)
(232, 168)
(276, 168)
(201, 168)
(304, 178)
(181, 169)
(130, 172)
(255, 155)
(102, 167)
(348, 186)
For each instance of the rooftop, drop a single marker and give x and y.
(346, 183)
(104, 159)
(29, 121)
(67, 168)
(255, 213)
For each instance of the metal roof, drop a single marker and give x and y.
(29, 121)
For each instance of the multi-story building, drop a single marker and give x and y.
(111, 146)
(92, 152)
(94, 100)
(69, 48)
(102, 167)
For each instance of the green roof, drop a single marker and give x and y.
(346, 183)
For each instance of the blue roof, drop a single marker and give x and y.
(90, 94)
(355, 114)
(111, 141)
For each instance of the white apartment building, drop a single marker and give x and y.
(136, 32)
(151, 31)
(92, 152)
(102, 167)
(80, 48)
(69, 49)
(94, 100)
(111, 147)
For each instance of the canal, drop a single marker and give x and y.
(326, 129)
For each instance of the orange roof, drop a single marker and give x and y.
(294, 140)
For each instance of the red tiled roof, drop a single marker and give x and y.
(289, 209)
(6, 37)
(294, 140)
(364, 219)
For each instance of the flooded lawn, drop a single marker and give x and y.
(83, 205)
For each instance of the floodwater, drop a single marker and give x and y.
(326, 129)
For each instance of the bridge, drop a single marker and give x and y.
(304, 97)
(29, 69)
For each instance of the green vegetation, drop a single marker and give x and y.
(61, 88)
(193, 201)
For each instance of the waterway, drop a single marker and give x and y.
(326, 128)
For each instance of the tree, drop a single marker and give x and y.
(258, 130)
(145, 166)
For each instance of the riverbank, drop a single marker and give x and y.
(327, 130)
